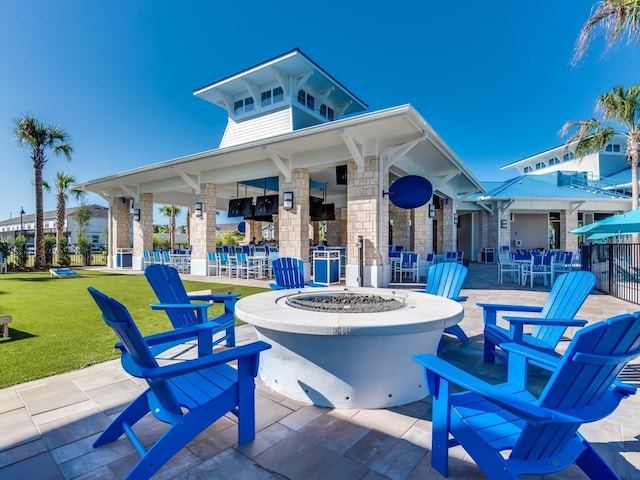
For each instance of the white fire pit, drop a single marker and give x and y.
(341, 357)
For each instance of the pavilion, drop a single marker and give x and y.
(293, 129)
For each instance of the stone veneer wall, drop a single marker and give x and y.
(363, 203)
(568, 222)
(121, 224)
(422, 231)
(143, 230)
(401, 226)
(293, 225)
(203, 229)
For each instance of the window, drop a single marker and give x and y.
(238, 107)
(248, 104)
(540, 165)
(306, 99)
(554, 161)
(528, 169)
(567, 156)
(327, 112)
(613, 148)
(278, 95)
(241, 106)
(265, 98)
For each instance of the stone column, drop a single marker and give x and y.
(203, 229)
(568, 222)
(334, 229)
(293, 225)
(120, 225)
(253, 228)
(423, 236)
(143, 230)
(367, 215)
(401, 226)
(446, 228)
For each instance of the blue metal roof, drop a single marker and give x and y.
(540, 186)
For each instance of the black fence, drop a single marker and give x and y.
(77, 260)
(617, 268)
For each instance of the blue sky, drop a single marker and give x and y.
(492, 78)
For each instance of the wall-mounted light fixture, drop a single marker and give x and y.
(455, 218)
(287, 200)
(503, 223)
(197, 209)
(136, 214)
(432, 211)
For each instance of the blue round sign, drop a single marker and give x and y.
(242, 227)
(411, 191)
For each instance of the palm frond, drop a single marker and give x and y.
(615, 17)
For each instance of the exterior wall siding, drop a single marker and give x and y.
(257, 128)
(301, 119)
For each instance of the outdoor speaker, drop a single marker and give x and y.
(341, 174)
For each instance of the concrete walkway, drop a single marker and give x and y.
(47, 426)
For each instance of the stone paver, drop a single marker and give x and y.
(48, 425)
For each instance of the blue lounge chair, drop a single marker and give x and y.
(189, 396)
(565, 299)
(445, 280)
(508, 431)
(289, 273)
(167, 285)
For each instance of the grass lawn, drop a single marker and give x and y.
(57, 327)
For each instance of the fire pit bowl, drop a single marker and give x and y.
(344, 355)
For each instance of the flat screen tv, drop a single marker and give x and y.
(315, 208)
(240, 207)
(327, 212)
(265, 207)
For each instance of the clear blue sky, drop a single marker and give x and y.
(492, 78)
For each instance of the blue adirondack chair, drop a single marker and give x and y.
(289, 273)
(445, 280)
(565, 299)
(189, 395)
(167, 285)
(508, 431)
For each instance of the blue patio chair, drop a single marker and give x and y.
(508, 431)
(174, 300)
(445, 280)
(189, 395)
(289, 273)
(565, 299)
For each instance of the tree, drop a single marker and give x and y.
(39, 137)
(616, 18)
(171, 211)
(82, 216)
(618, 106)
(62, 184)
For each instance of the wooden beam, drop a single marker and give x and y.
(284, 165)
(356, 154)
(194, 184)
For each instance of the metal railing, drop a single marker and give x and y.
(617, 268)
(587, 181)
(96, 259)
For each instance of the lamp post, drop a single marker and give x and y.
(21, 214)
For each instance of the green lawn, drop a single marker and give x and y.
(57, 327)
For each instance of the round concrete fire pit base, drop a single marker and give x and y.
(347, 360)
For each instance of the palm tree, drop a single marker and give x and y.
(171, 211)
(62, 184)
(620, 106)
(616, 17)
(33, 134)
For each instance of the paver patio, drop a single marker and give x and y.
(48, 425)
